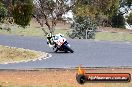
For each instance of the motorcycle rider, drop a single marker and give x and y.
(52, 39)
(58, 42)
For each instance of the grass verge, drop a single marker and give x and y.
(113, 36)
(33, 31)
(11, 54)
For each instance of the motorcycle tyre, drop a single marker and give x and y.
(69, 49)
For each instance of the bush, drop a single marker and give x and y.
(129, 19)
(118, 21)
(80, 26)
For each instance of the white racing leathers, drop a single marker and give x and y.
(59, 43)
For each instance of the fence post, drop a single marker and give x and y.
(86, 33)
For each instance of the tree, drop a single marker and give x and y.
(129, 3)
(48, 12)
(129, 19)
(22, 12)
(3, 12)
(82, 27)
(18, 11)
(125, 5)
(96, 9)
(118, 21)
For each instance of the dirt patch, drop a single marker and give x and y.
(54, 78)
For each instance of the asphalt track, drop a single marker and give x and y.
(89, 53)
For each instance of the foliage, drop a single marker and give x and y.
(3, 12)
(22, 12)
(49, 12)
(118, 21)
(129, 19)
(102, 11)
(129, 3)
(80, 25)
(125, 6)
(94, 7)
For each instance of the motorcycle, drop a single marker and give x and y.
(58, 43)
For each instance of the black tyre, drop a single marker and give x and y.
(69, 49)
(55, 49)
(81, 79)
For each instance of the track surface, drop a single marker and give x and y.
(87, 52)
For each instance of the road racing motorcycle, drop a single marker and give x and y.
(58, 43)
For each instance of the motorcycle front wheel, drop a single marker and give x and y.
(68, 48)
(55, 49)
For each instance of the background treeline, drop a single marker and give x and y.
(107, 13)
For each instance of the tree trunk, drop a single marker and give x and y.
(41, 24)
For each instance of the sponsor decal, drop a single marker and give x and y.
(83, 77)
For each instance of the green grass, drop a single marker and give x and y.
(8, 54)
(24, 31)
(32, 31)
(113, 36)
